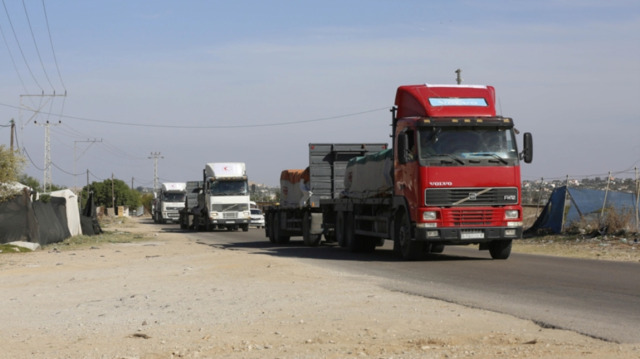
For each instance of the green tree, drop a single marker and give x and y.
(147, 199)
(108, 192)
(11, 164)
(29, 181)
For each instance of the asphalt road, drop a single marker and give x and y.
(600, 299)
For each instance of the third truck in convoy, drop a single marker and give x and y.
(169, 200)
(452, 178)
(223, 201)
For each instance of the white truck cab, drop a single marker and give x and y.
(169, 201)
(224, 201)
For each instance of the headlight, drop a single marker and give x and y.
(511, 214)
(429, 216)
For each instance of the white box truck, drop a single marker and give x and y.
(169, 201)
(224, 200)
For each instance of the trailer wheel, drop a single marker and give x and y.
(269, 227)
(500, 249)
(368, 244)
(277, 231)
(403, 245)
(311, 240)
(339, 230)
(357, 242)
(352, 241)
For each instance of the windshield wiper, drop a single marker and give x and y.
(489, 154)
(453, 157)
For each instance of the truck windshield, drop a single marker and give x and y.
(173, 196)
(468, 145)
(228, 188)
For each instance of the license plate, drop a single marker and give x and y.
(229, 222)
(472, 235)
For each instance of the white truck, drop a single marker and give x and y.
(169, 201)
(224, 199)
(190, 204)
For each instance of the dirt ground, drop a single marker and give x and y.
(168, 297)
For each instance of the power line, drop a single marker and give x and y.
(273, 124)
(63, 171)
(35, 44)
(24, 58)
(24, 149)
(55, 59)
(13, 61)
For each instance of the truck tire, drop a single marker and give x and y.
(310, 240)
(436, 248)
(403, 244)
(349, 236)
(368, 244)
(339, 229)
(277, 231)
(357, 242)
(500, 249)
(245, 227)
(269, 227)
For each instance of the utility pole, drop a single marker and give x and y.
(47, 144)
(113, 195)
(155, 156)
(13, 130)
(46, 182)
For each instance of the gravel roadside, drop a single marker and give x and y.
(168, 297)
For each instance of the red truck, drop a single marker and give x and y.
(452, 178)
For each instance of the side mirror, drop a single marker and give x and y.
(527, 153)
(403, 143)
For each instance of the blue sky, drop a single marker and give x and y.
(256, 81)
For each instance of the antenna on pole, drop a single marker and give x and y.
(458, 77)
(155, 156)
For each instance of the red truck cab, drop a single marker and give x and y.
(456, 170)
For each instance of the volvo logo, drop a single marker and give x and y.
(473, 196)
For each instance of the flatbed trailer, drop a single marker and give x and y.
(304, 216)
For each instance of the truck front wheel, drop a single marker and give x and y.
(500, 249)
(403, 244)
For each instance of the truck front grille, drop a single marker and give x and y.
(230, 215)
(488, 196)
(230, 207)
(469, 218)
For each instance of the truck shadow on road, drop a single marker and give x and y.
(333, 252)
